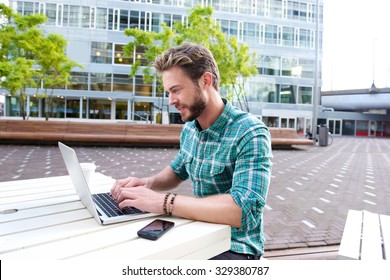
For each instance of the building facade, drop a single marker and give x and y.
(358, 112)
(282, 32)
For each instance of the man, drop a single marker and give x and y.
(224, 151)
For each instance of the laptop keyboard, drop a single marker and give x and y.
(109, 206)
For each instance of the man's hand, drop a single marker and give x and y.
(141, 198)
(128, 182)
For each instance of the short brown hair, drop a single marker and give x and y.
(193, 59)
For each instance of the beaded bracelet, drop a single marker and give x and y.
(165, 203)
(171, 204)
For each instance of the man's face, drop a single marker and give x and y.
(187, 97)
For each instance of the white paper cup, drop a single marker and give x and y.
(88, 171)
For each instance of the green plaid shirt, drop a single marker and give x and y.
(232, 156)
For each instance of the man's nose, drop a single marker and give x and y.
(171, 99)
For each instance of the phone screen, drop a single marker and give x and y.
(155, 229)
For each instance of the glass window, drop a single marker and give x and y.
(167, 18)
(12, 106)
(28, 8)
(34, 106)
(143, 111)
(290, 67)
(176, 18)
(361, 128)
(156, 24)
(51, 14)
(123, 83)
(304, 38)
(74, 16)
(246, 6)
(72, 108)
(251, 32)
(85, 17)
(101, 81)
(271, 34)
(113, 19)
(305, 95)
(293, 10)
(349, 127)
(271, 121)
(261, 7)
(143, 21)
(101, 16)
(225, 26)
(120, 57)
(276, 8)
(287, 94)
(124, 20)
(99, 109)
(269, 93)
(303, 12)
(121, 110)
(270, 65)
(141, 87)
(214, 3)
(101, 53)
(134, 19)
(58, 107)
(288, 36)
(255, 91)
(233, 31)
(65, 20)
(140, 55)
(79, 81)
(225, 6)
(308, 66)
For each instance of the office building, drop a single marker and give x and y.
(282, 32)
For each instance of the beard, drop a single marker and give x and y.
(196, 108)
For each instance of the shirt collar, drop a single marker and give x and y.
(217, 128)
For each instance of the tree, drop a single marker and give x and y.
(234, 61)
(54, 67)
(19, 36)
(29, 59)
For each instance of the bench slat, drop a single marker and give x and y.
(385, 223)
(371, 237)
(350, 241)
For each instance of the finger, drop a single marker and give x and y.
(126, 203)
(124, 194)
(113, 187)
(118, 185)
(116, 188)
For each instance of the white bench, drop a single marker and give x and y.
(366, 236)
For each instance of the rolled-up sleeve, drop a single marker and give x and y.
(252, 176)
(178, 166)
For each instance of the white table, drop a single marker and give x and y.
(52, 223)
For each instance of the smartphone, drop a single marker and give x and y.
(155, 229)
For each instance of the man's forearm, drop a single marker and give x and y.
(220, 209)
(166, 179)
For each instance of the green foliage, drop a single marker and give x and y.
(27, 57)
(235, 63)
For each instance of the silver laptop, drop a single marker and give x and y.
(101, 206)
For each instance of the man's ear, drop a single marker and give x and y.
(207, 79)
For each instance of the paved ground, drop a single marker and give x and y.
(311, 191)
